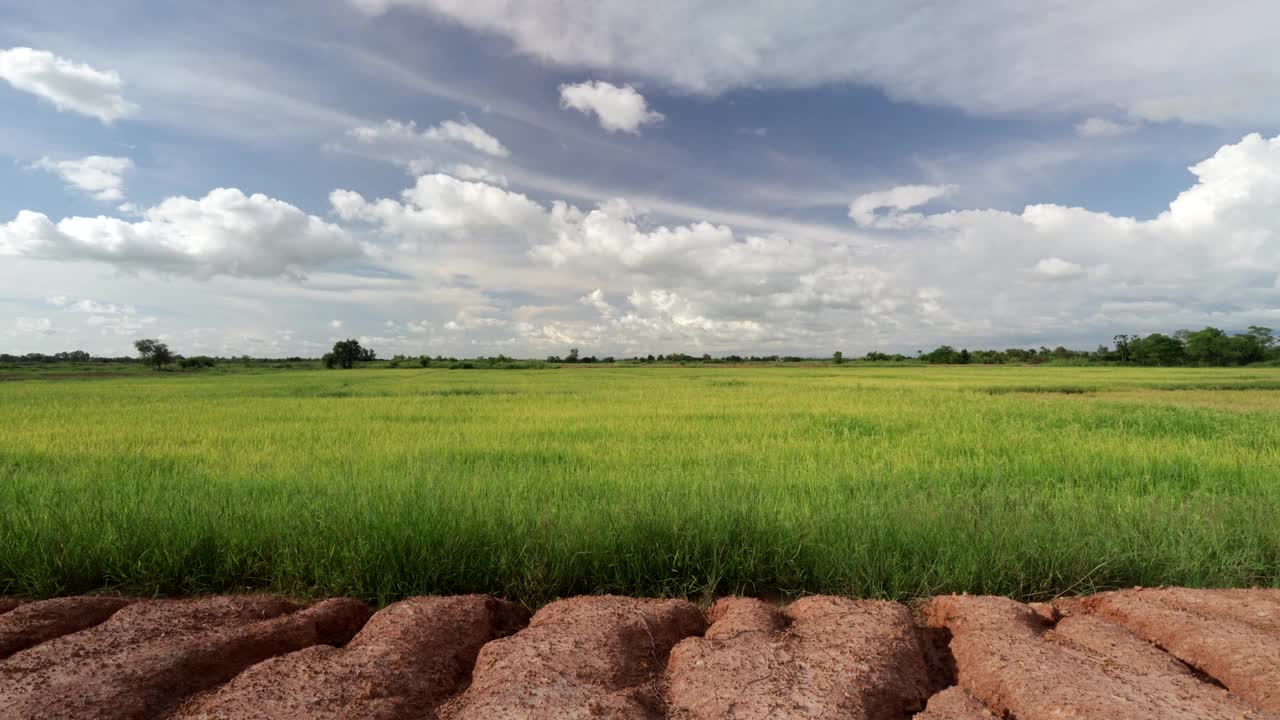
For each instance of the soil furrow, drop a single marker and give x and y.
(148, 680)
(409, 658)
(1016, 663)
(1236, 645)
(955, 703)
(584, 657)
(30, 624)
(80, 653)
(1167, 653)
(821, 657)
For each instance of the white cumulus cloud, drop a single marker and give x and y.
(101, 176)
(1058, 269)
(224, 233)
(963, 276)
(617, 108)
(443, 204)
(67, 84)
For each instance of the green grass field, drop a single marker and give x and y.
(874, 481)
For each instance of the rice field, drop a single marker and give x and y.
(892, 482)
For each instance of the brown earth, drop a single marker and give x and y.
(146, 621)
(820, 657)
(1233, 636)
(585, 657)
(1166, 653)
(955, 703)
(407, 660)
(33, 623)
(149, 679)
(1013, 661)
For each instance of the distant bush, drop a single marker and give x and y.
(196, 362)
(497, 363)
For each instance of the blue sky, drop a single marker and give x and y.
(496, 176)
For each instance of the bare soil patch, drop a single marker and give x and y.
(149, 680)
(820, 657)
(1232, 636)
(30, 624)
(1018, 664)
(409, 658)
(584, 657)
(1168, 653)
(955, 703)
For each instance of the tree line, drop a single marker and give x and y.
(1207, 347)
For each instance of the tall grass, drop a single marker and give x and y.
(869, 481)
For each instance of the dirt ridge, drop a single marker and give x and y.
(1143, 653)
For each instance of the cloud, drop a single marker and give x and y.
(1065, 56)
(335, 324)
(904, 197)
(119, 324)
(596, 300)
(617, 108)
(101, 176)
(481, 269)
(450, 145)
(67, 84)
(974, 276)
(33, 326)
(464, 171)
(224, 233)
(107, 318)
(1101, 127)
(1058, 269)
(442, 205)
(467, 133)
(92, 307)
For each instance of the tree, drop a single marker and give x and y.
(943, 354)
(838, 358)
(1258, 343)
(1157, 349)
(153, 352)
(573, 356)
(1207, 347)
(1262, 335)
(346, 353)
(1122, 347)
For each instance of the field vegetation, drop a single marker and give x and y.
(891, 481)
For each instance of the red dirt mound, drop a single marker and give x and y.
(33, 623)
(955, 704)
(1232, 636)
(408, 659)
(821, 657)
(142, 622)
(1007, 657)
(149, 679)
(7, 604)
(585, 657)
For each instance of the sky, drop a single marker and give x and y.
(466, 178)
